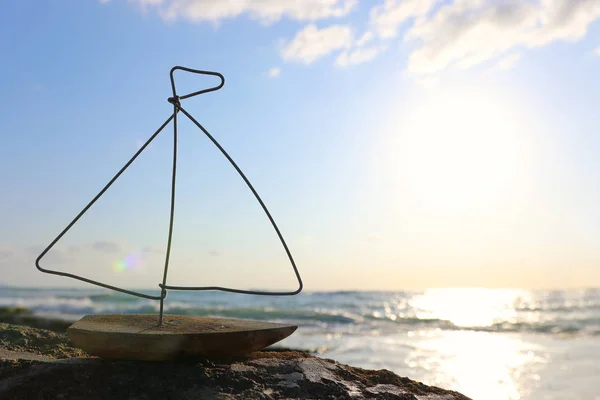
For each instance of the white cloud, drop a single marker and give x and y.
(365, 38)
(597, 51)
(565, 20)
(467, 33)
(274, 72)
(359, 52)
(387, 17)
(442, 34)
(312, 43)
(145, 5)
(506, 62)
(467, 36)
(358, 55)
(265, 10)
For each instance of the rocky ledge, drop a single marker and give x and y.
(42, 364)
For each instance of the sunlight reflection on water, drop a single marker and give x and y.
(479, 364)
(468, 307)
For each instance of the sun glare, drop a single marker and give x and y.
(460, 150)
(480, 365)
(457, 306)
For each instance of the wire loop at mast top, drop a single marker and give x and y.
(176, 99)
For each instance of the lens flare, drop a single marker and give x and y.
(131, 262)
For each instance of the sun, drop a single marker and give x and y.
(459, 150)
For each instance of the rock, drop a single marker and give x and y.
(33, 369)
(37, 341)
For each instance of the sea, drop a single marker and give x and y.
(490, 344)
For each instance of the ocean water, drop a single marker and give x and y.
(487, 344)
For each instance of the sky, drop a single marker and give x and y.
(399, 144)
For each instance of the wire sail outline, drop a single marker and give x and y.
(175, 100)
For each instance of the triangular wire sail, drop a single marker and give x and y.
(175, 100)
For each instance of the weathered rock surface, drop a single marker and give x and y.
(39, 364)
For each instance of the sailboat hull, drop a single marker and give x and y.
(138, 336)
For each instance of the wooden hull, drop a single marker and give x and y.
(138, 336)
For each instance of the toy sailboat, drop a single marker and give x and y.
(165, 336)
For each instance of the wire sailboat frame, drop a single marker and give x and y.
(175, 100)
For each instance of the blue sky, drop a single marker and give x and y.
(398, 144)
